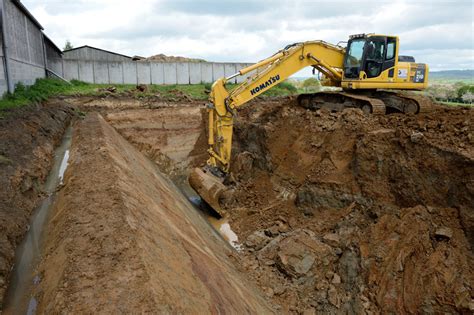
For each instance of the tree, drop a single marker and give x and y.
(68, 45)
(468, 97)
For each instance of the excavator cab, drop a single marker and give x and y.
(372, 62)
(367, 56)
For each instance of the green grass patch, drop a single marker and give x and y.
(456, 104)
(40, 91)
(46, 88)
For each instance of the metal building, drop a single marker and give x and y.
(89, 53)
(24, 49)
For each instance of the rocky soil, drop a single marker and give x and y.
(347, 213)
(28, 137)
(336, 212)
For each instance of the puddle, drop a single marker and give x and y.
(18, 299)
(220, 225)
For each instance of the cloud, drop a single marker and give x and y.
(436, 32)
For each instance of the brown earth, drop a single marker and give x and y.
(337, 212)
(123, 239)
(27, 140)
(164, 58)
(346, 213)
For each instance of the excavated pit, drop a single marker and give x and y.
(347, 213)
(337, 212)
(122, 238)
(333, 212)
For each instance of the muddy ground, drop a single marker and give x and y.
(336, 212)
(347, 213)
(28, 137)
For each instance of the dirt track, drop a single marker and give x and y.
(337, 213)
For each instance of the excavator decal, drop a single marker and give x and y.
(263, 86)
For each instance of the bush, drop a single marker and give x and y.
(287, 86)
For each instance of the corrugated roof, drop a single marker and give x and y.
(107, 51)
(25, 11)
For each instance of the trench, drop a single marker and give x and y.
(18, 299)
(220, 225)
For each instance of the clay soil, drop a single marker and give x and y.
(28, 137)
(347, 213)
(336, 212)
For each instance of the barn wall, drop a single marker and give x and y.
(91, 54)
(3, 79)
(26, 53)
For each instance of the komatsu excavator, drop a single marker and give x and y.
(369, 70)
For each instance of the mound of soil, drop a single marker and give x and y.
(347, 213)
(28, 137)
(164, 58)
(123, 239)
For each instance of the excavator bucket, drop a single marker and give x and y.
(209, 187)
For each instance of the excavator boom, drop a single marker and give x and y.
(369, 62)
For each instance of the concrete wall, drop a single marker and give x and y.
(133, 72)
(93, 54)
(3, 80)
(25, 46)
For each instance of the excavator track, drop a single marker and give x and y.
(377, 107)
(371, 102)
(337, 101)
(424, 103)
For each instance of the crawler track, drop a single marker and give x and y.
(371, 102)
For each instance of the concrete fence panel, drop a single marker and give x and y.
(115, 73)
(71, 70)
(217, 71)
(127, 72)
(182, 73)
(229, 69)
(195, 73)
(101, 72)
(170, 75)
(144, 72)
(157, 75)
(86, 71)
(130, 73)
(206, 73)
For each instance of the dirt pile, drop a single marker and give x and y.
(342, 212)
(164, 58)
(123, 239)
(27, 140)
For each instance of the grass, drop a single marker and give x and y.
(44, 89)
(456, 104)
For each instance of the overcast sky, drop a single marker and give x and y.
(437, 32)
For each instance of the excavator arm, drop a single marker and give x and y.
(323, 56)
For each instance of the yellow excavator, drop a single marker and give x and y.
(369, 70)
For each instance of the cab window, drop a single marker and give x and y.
(390, 49)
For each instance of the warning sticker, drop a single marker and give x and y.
(402, 73)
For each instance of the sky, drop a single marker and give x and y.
(437, 32)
